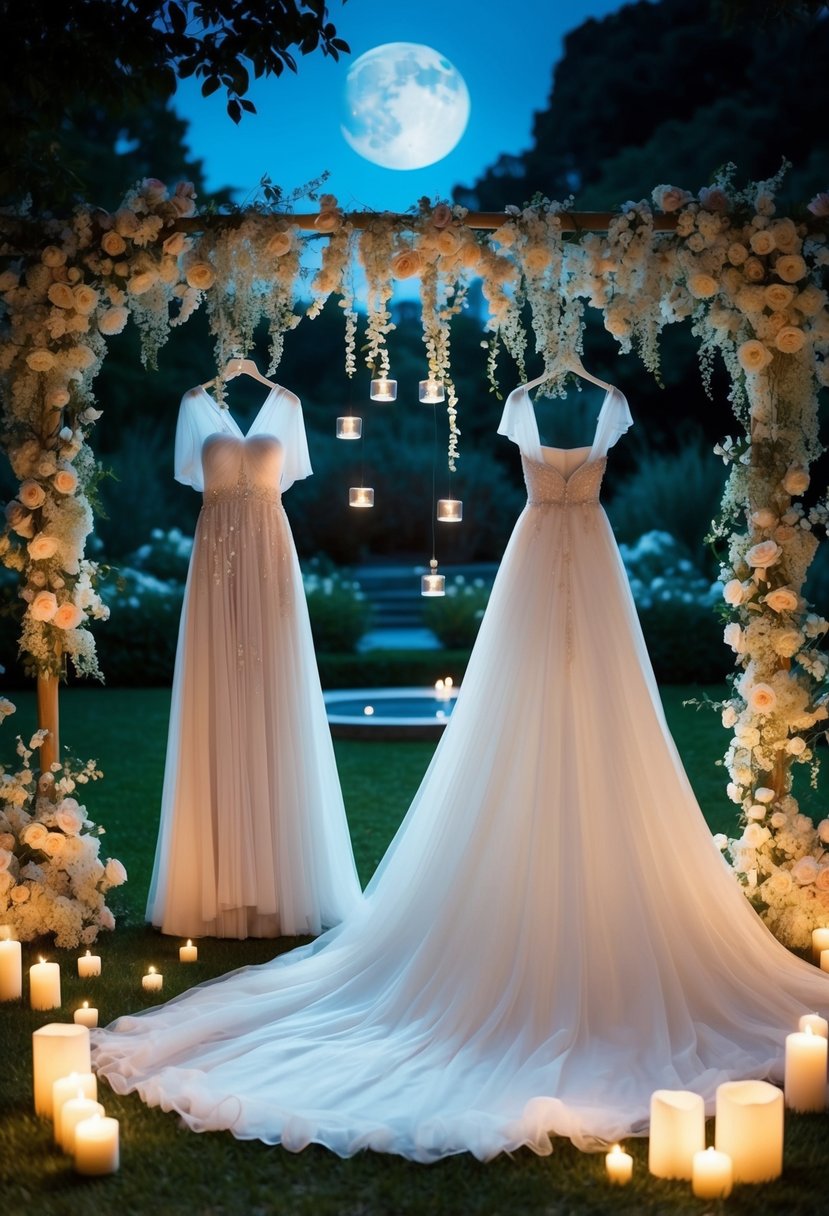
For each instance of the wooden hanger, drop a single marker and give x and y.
(241, 367)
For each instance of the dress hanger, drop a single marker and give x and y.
(569, 362)
(241, 367)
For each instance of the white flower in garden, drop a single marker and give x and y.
(733, 637)
(68, 616)
(804, 871)
(114, 872)
(113, 320)
(753, 356)
(762, 242)
(732, 592)
(755, 836)
(721, 841)
(702, 286)
(787, 642)
(763, 554)
(69, 816)
(764, 794)
(782, 599)
(780, 883)
(789, 339)
(42, 547)
(790, 267)
(796, 480)
(756, 811)
(729, 716)
(796, 746)
(31, 494)
(44, 606)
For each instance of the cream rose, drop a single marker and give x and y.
(279, 244)
(764, 794)
(796, 746)
(405, 264)
(764, 518)
(68, 616)
(41, 360)
(822, 880)
(804, 871)
(328, 221)
(762, 242)
(34, 835)
(787, 642)
(113, 320)
(200, 275)
(732, 592)
(44, 606)
(42, 547)
(702, 286)
(823, 831)
(733, 637)
(763, 554)
(670, 198)
(778, 296)
(53, 844)
(729, 716)
(114, 872)
(80, 356)
(754, 270)
(19, 519)
(755, 836)
(762, 699)
(448, 241)
(86, 298)
(737, 254)
(61, 295)
(142, 282)
(19, 894)
(69, 817)
(780, 883)
(536, 259)
(32, 494)
(175, 245)
(113, 244)
(782, 599)
(53, 257)
(756, 811)
(790, 267)
(753, 356)
(796, 480)
(789, 339)
(65, 480)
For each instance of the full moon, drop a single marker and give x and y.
(406, 106)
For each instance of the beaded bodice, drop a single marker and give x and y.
(236, 467)
(546, 485)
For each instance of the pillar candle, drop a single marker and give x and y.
(188, 953)
(11, 971)
(76, 1085)
(818, 1024)
(96, 1146)
(450, 510)
(824, 960)
(89, 964)
(749, 1129)
(152, 981)
(430, 391)
(74, 1111)
(44, 985)
(360, 496)
(677, 1131)
(57, 1050)
(349, 427)
(712, 1176)
(619, 1166)
(383, 389)
(805, 1082)
(86, 1016)
(820, 941)
(6, 933)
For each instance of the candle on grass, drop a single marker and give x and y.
(677, 1131)
(87, 1015)
(76, 1085)
(805, 1078)
(824, 960)
(712, 1176)
(749, 1129)
(11, 971)
(152, 981)
(818, 1024)
(820, 941)
(96, 1146)
(619, 1166)
(57, 1050)
(74, 1111)
(188, 953)
(44, 985)
(89, 964)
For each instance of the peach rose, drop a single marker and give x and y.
(789, 339)
(406, 263)
(778, 296)
(53, 257)
(754, 270)
(764, 518)
(762, 699)
(733, 637)
(448, 241)
(142, 282)
(41, 360)
(796, 746)
(753, 356)
(113, 320)
(796, 480)
(113, 244)
(175, 245)
(536, 259)
(42, 547)
(65, 480)
(31, 494)
(34, 835)
(712, 198)
(781, 599)
(61, 295)
(441, 215)
(764, 554)
(737, 254)
(69, 817)
(790, 267)
(200, 275)
(53, 844)
(86, 298)
(732, 592)
(126, 222)
(19, 519)
(328, 221)
(44, 606)
(670, 198)
(785, 234)
(762, 242)
(279, 244)
(702, 286)
(68, 616)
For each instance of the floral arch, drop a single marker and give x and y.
(749, 281)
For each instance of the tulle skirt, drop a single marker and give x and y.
(253, 838)
(551, 936)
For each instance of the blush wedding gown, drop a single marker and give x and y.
(552, 934)
(253, 838)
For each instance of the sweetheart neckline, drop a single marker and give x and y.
(546, 465)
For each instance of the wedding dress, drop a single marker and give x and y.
(552, 934)
(253, 838)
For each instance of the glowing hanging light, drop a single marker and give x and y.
(450, 510)
(360, 496)
(350, 427)
(383, 389)
(433, 584)
(430, 392)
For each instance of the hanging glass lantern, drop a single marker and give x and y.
(433, 584)
(450, 510)
(360, 496)
(350, 427)
(430, 392)
(383, 389)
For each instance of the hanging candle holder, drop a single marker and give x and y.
(383, 389)
(430, 391)
(433, 584)
(450, 510)
(360, 496)
(350, 427)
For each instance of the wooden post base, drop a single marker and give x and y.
(47, 719)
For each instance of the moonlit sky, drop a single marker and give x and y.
(505, 52)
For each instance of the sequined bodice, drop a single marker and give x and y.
(236, 467)
(546, 485)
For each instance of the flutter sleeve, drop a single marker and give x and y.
(614, 422)
(518, 422)
(282, 417)
(192, 428)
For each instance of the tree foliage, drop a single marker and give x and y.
(82, 54)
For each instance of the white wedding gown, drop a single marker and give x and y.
(552, 934)
(253, 838)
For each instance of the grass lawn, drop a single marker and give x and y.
(172, 1172)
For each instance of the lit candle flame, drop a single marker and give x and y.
(86, 1004)
(189, 943)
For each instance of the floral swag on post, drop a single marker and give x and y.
(751, 283)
